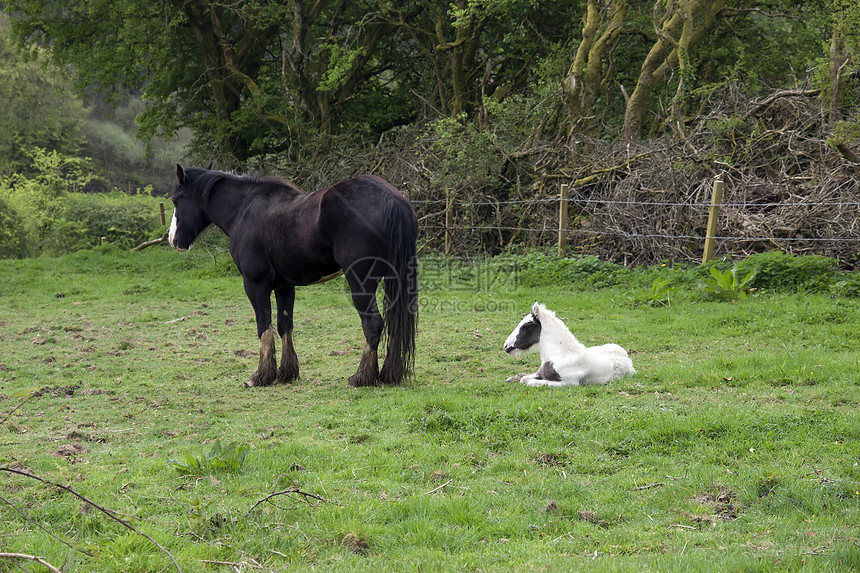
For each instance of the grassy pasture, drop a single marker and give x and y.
(735, 447)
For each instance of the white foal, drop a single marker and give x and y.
(564, 360)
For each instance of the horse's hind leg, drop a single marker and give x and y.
(289, 368)
(363, 286)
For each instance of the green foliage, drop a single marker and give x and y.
(728, 285)
(538, 269)
(463, 157)
(39, 109)
(229, 458)
(12, 236)
(779, 271)
(660, 292)
(47, 214)
(125, 221)
(847, 285)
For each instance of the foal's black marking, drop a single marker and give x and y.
(281, 238)
(528, 336)
(547, 372)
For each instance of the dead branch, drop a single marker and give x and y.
(847, 153)
(757, 107)
(33, 558)
(435, 489)
(286, 492)
(107, 512)
(26, 518)
(161, 239)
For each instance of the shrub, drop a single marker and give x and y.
(125, 220)
(13, 244)
(728, 285)
(220, 458)
(778, 271)
(539, 269)
(848, 286)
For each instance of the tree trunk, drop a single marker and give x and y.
(678, 33)
(587, 74)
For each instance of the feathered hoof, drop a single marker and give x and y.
(358, 380)
(390, 378)
(287, 376)
(517, 378)
(258, 379)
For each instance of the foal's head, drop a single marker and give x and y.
(189, 219)
(526, 335)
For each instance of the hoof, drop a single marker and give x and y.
(356, 381)
(286, 377)
(259, 380)
(389, 379)
(517, 378)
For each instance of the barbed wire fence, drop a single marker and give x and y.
(664, 229)
(785, 188)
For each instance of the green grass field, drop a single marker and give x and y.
(736, 446)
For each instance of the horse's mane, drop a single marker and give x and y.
(550, 321)
(199, 182)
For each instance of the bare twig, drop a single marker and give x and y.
(285, 492)
(18, 407)
(107, 512)
(33, 558)
(648, 486)
(27, 518)
(434, 490)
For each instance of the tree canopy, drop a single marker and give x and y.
(257, 77)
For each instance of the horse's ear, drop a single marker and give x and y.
(180, 174)
(211, 163)
(535, 308)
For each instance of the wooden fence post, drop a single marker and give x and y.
(563, 222)
(161, 213)
(716, 199)
(449, 222)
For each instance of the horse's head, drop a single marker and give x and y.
(526, 335)
(189, 218)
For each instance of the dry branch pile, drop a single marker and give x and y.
(785, 188)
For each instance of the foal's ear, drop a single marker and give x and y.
(535, 308)
(180, 174)
(211, 163)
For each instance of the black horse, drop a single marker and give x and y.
(281, 238)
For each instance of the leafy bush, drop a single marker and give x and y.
(220, 458)
(778, 271)
(12, 243)
(848, 286)
(540, 269)
(730, 285)
(660, 293)
(125, 220)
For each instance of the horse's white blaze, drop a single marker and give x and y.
(172, 236)
(512, 338)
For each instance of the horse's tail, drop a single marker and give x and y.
(401, 290)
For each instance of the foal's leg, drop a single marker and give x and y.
(363, 286)
(260, 297)
(289, 369)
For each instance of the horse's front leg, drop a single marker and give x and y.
(260, 297)
(288, 371)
